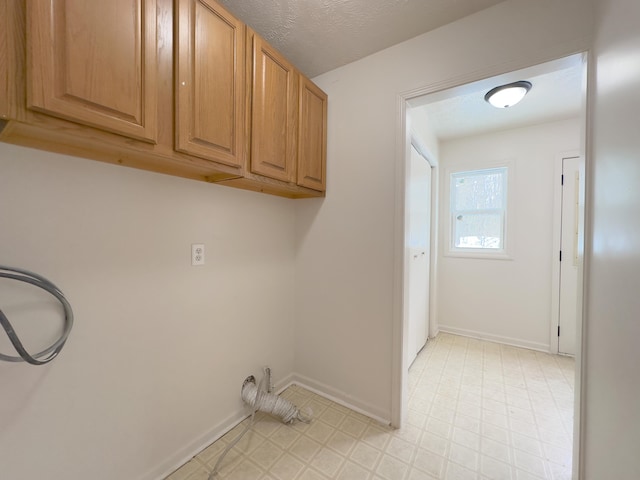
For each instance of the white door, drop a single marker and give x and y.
(569, 256)
(418, 245)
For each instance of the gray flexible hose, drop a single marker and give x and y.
(261, 399)
(49, 353)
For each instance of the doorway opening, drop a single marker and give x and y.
(447, 122)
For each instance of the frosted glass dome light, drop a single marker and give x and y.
(508, 95)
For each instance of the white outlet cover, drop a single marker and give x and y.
(197, 254)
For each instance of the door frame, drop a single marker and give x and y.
(399, 369)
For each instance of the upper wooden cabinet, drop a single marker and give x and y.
(274, 111)
(312, 138)
(209, 82)
(94, 63)
(179, 87)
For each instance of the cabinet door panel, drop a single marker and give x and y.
(312, 141)
(273, 127)
(210, 82)
(94, 62)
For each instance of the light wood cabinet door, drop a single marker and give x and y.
(94, 62)
(312, 138)
(210, 82)
(274, 113)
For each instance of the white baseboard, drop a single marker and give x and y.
(192, 449)
(514, 342)
(342, 398)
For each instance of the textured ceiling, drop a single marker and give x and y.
(320, 35)
(556, 94)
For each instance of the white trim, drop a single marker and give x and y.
(514, 342)
(434, 262)
(193, 448)
(378, 414)
(399, 369)
(580, 396)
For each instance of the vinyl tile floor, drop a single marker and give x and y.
(477, 410)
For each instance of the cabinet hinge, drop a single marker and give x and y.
(558, 330)
(561, 179)
(560, 255)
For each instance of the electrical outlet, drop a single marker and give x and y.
(197, 254)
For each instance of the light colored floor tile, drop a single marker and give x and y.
(415, 474)
(466, 438)
(477, 410)
(409, 433)
(245, 471)
(429, 462)
(305, 449)
(286, 468)
(457, 472)
(495, 469)
(400, 449)
(332, 416)
(497, 450)
(376, 437)
(341, 442)
(464, 456)
(353, 426)
(327, 462)
(250, 442)
(439, 427)
(284, 436)
(266, 455)
(495, 433)
(319, 431)
(310, 474)
(391, 468)
(201, 474)
(366, 455)
(266, 425)
(434, 443)
(352, 471)
(530, 463)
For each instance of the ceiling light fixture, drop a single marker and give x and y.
(508, 95)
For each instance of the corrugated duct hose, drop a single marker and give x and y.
(263, 400)
(48, 354)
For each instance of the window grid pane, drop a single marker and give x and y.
(478, 208)
(479, 191)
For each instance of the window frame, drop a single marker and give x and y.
(503, 253)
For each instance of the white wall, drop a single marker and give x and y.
(506, 300)
(346, 244)
(153, 367)
(611, 427)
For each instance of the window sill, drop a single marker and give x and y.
(479, 254)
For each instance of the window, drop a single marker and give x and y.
(478, 210)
